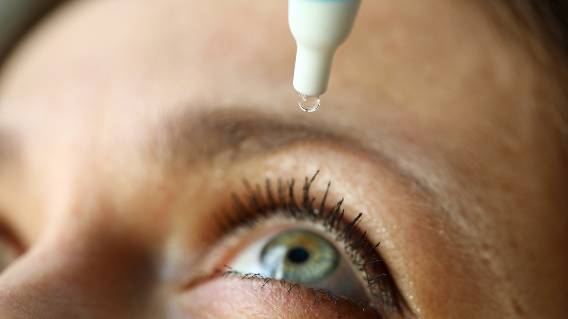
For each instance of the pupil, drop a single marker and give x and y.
(298, 255)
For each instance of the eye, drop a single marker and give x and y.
(273, 234)
(305, 257)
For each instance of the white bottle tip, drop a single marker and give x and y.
(308, 103)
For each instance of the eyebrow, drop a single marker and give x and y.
(203, 136)
(237, 134)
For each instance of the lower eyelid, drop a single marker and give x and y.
(232, 293)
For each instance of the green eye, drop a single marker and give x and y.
(320, 251)
(300, 256)
(304, 257)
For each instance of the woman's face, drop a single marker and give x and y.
(128, 127)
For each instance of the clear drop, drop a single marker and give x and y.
(308, 103)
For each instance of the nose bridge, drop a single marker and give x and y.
(83, 274)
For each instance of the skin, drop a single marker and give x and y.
(125, 126)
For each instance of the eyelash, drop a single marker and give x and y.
(266, 202)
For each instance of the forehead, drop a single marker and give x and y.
(430, 83)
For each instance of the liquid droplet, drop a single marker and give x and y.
(308, 103)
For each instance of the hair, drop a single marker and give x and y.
(549, 16)
(552, 17)
(546, 24)
(18, 18)
(543, 23)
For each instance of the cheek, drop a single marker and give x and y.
(248, 298)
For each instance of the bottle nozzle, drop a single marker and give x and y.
(319, 27)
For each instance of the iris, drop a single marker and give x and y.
(300, 256)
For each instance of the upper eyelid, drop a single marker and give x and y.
(246, 136)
